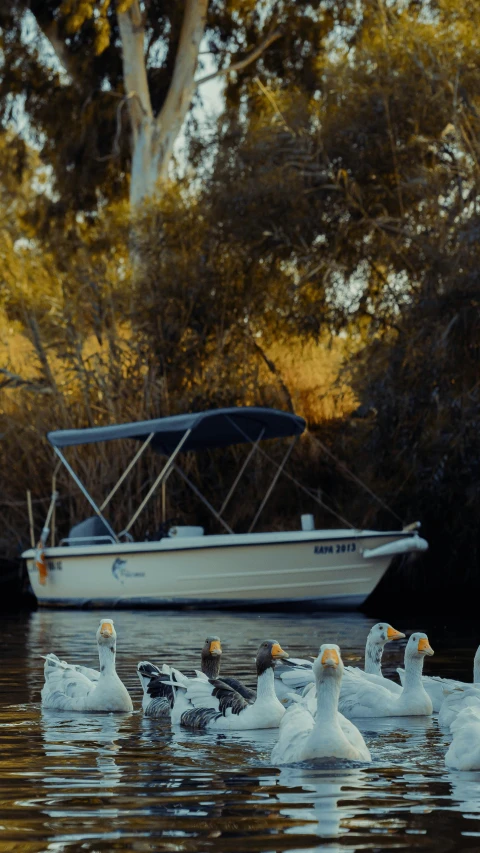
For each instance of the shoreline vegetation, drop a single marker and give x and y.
(309, 243)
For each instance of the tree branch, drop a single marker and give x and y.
(132, 33)
(182, 86)
(50, 30)
(49, 27)
(274, 369)
(242, 63)
(13, 380)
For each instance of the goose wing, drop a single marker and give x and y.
(160, 687)
(464, 751)
(295, 728)
(455, 701)
(65, 686)
(435, 686)
(211, 699)
(355, 737)
(292, 674)
(362, 698)
(247, 692)
(91, 674)
(389, 685)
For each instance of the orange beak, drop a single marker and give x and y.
(215, 647)
(106, 629)
(424, 646)
(392, 634)
(330, 658)
(277, 651)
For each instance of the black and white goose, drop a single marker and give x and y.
(158, 692)
(213, 704)
(157, 683)
(71, 687)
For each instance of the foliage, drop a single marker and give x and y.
(64, 61)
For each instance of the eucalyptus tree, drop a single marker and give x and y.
(108, 86)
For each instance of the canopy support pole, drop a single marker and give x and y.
(299, 485)
(203, 499)
(273, 483)
(84, 491)
(164, 497)
(30, 517)
(127, 470)
(163, 473)
(242, 469)
(54, 492)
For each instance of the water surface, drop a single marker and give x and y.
(73, 782)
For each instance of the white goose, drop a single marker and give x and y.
(203, 703)
(362, 698)
(435, 685)
(303, 736)
(456, 701)
(75, 688)
(464, 751)
(295, 675)
(381, 634)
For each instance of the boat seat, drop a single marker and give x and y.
(92, 531)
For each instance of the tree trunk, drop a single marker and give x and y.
(153, 137)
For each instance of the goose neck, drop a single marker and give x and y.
(266, 685)
(211, 666)
(413, 673)
(373, 657)
(106, 656)
(328, 692)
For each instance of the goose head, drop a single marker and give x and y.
(329, 662)
(268, 654)
(382, 633)
(106, 634)
(418, 646)
(211, 656)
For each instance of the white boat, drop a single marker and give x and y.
(97, 567)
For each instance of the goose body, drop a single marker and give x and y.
(157, 684)
(435, 685)
(212, 704)
(75, 688)
(360, 697)
(305, 736)
(293, 675)
(297, 675)
(456, 701)
(381, 634)
(464, 751)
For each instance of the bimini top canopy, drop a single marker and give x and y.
(216, 428)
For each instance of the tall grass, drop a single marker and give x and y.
(86, 393)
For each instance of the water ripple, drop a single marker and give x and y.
(92, 783)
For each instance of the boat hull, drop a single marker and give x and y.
(326, 568)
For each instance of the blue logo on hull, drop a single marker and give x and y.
(120, 572)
